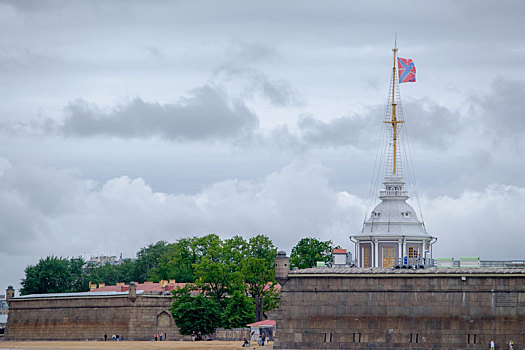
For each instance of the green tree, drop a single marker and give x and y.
(218, 270)
(310, 250)
(79, 281)
(239, 311)
(110, 273)
(195, 313)
(258, 270)
(148, 258)
(257, 277)
(177, 262)
(54, 275)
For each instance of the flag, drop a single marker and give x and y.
(406, 69)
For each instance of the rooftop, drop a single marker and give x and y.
(74, 295)
(147, 287)
(432, 271)
(263, 323)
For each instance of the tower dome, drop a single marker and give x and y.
(393, 215)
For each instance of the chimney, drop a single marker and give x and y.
(282, 267)
(9, 293)
(132, 294)
(339, 257)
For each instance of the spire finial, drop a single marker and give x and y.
(395, 41)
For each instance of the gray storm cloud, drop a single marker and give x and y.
(430, 125)
(501, 109)
(278, 92)
(205, 114)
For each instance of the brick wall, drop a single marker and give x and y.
(388, 312)
(90, 317)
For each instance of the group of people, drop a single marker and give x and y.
(493, 346)
(114, 337)
(262, 338)
(196, 336)
(158, 336)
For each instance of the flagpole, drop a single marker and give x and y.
(394, 120)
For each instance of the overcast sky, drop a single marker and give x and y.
(127, 122)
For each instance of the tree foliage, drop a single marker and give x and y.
(54, 275)
(148, 258)
(218, 270)
(234, 277)
(310, 250)
(195, 313)
(239, 311)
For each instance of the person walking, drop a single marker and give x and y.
(492, 347)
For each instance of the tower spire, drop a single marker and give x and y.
(394, 120)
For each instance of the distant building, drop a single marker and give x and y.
(4, 307)
(102, 260)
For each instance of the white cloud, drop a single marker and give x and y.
(75, 216)
(487, 223)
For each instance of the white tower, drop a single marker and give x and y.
(393, 233)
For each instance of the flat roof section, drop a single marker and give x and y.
(390, 272)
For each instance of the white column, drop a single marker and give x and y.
(376, 253)
(399, 249)
(357, 255)
(404, 247)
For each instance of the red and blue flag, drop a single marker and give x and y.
(406, 69)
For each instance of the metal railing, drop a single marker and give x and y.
(502, 263)
(393, 193)
(413, 263)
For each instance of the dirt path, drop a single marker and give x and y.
(128, 345)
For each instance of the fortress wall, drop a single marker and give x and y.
(418, 312)
(90, 317)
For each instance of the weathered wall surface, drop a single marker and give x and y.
(232, 334)
(416, 311)
(80, 318)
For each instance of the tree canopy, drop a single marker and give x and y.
(54, 275)
(310, 250)
(195, 313)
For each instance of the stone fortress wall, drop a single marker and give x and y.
(82, 316)
(436, 308)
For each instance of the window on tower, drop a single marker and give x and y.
(413, 252)
(365, 256)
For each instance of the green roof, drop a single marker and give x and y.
(469, 258)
